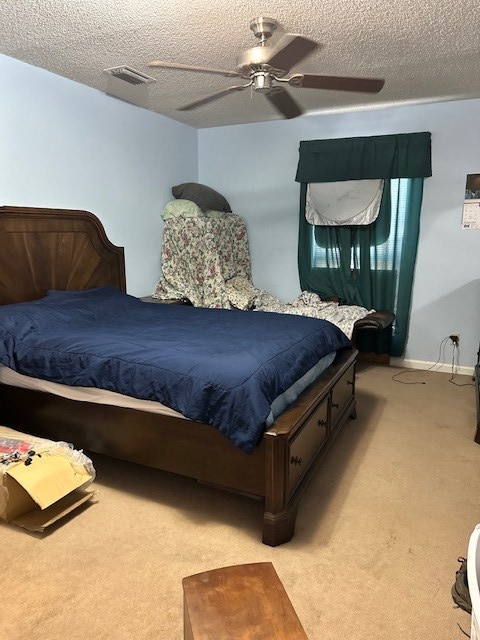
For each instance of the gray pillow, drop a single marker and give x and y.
(206, 197)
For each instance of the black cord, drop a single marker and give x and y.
(429, 368)
(464, 632)
(451, 380)
(394, 378)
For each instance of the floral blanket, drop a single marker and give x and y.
(243, 295)
(310, 304)
(199, 255)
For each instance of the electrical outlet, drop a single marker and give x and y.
(455, 338)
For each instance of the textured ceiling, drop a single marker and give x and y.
(427, 50)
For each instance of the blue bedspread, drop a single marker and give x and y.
(217, 366)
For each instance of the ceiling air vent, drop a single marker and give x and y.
(127, 74)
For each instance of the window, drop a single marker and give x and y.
(383, 256)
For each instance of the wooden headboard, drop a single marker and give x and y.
(43, 249)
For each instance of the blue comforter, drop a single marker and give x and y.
(217, 366)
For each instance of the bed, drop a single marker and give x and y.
(66, 250)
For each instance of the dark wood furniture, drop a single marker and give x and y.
(42, 249)
(239, 603)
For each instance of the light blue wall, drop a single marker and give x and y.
(65, 145)
(254, 167)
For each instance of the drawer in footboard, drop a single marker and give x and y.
(306, 443)
(342, 396)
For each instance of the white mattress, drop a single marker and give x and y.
(85, 394)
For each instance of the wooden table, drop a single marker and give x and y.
(243, 602)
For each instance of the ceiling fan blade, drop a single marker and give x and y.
(337, 83)
(282, 101)
(289, 50)
(185, 67)
(212, 97)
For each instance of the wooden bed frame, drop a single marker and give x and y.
(43, 249)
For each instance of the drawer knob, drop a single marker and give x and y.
(322, 423)
(335, 405)
(350, 382)
(295, 460)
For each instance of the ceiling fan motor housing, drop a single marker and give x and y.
(254, 59)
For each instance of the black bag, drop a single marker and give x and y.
(460, 592)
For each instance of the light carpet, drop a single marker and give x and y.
(374, 556)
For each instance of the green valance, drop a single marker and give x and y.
(403, 155)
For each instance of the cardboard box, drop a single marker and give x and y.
(40, 481)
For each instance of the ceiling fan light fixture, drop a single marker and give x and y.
(262, 81)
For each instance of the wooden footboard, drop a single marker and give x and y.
(299, 439)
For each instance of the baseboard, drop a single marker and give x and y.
(443, 367)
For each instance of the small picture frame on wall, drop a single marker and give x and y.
(471, 205)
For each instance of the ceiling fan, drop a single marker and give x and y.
(265, 68)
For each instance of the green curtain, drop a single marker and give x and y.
(359, 267)
(403, 155)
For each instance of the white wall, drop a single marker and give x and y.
(254, 167)
(66, 145)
